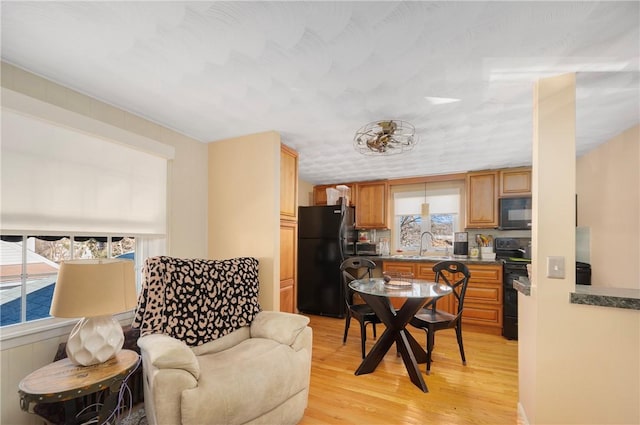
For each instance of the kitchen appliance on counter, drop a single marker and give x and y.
(460, 244)
(366, 249)
(583, 273)
(326, 237)
(511, 251)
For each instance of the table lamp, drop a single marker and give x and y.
(94, 290)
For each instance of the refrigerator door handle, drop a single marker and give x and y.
(341, 235)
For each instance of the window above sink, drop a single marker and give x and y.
(442, 216)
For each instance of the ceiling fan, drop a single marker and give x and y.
(385, 138)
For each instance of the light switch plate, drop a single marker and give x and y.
(555, 267)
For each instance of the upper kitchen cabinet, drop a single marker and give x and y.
(288, 183)
(482, 199)
(320, 193)
(515, 182)
(372, 205)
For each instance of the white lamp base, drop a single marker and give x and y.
(95, 340)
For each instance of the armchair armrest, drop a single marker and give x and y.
(165, 352)
(278, 326)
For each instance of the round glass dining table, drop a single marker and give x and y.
(418, 293)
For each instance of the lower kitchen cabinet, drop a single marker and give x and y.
(483, 301)
(398, 267)
(425, 271)
(288, 260)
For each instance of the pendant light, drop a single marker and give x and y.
(425, 205)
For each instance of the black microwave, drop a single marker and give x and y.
(515, 213)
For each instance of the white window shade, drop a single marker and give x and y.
(408, 203)
(441, 201)
(58, 179)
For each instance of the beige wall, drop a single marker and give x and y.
(188, 172)
(244, 206)
(187, 209)
(578, 364)
(305, 193)
(608, 188)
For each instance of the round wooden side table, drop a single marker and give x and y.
(62, 380)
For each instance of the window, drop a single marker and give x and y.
(29, 267)
(66, 174)
(432, 207)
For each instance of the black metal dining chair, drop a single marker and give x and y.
(352, 269)
(430, 319)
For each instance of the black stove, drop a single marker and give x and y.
(511, 251)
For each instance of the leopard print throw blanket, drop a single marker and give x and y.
(197, 301)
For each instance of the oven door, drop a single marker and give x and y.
(512, 271)
(510, 302)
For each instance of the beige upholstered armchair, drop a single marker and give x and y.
(210, 356)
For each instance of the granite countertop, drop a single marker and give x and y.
(522, 285)
(593, 295)
(419, 259)
(607, 297)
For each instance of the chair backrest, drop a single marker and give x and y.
(457, 278)
(352, 269)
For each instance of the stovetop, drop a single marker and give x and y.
(508, 250)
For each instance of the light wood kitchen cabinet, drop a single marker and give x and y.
(320, 193)
(288, 239)
(372, 205)
(288, 228)
(483, 300)
(515, 182)
(398, 267)
(425, 271)
(482, 200)
(288, 183)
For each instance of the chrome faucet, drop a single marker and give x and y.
(422, 237)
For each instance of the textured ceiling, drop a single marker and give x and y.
(317, 71)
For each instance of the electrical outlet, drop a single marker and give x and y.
(555, 267)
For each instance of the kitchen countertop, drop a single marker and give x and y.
(419, 259)
(593, 295)
(522, 285)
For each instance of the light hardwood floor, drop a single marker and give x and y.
(485, 391)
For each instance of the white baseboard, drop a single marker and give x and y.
(522, 416)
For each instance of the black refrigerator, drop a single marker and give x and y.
(325, 239)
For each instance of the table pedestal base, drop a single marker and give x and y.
(412, 353)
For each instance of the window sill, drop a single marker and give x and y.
(39, 330)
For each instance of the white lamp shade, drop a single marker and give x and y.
(90, 288)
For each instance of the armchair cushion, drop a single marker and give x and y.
(224, 343)
(197, 300)
(278, 326)
(261, 371)
(165, 352)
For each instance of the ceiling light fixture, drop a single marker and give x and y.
(385, 138)
(441, 100)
